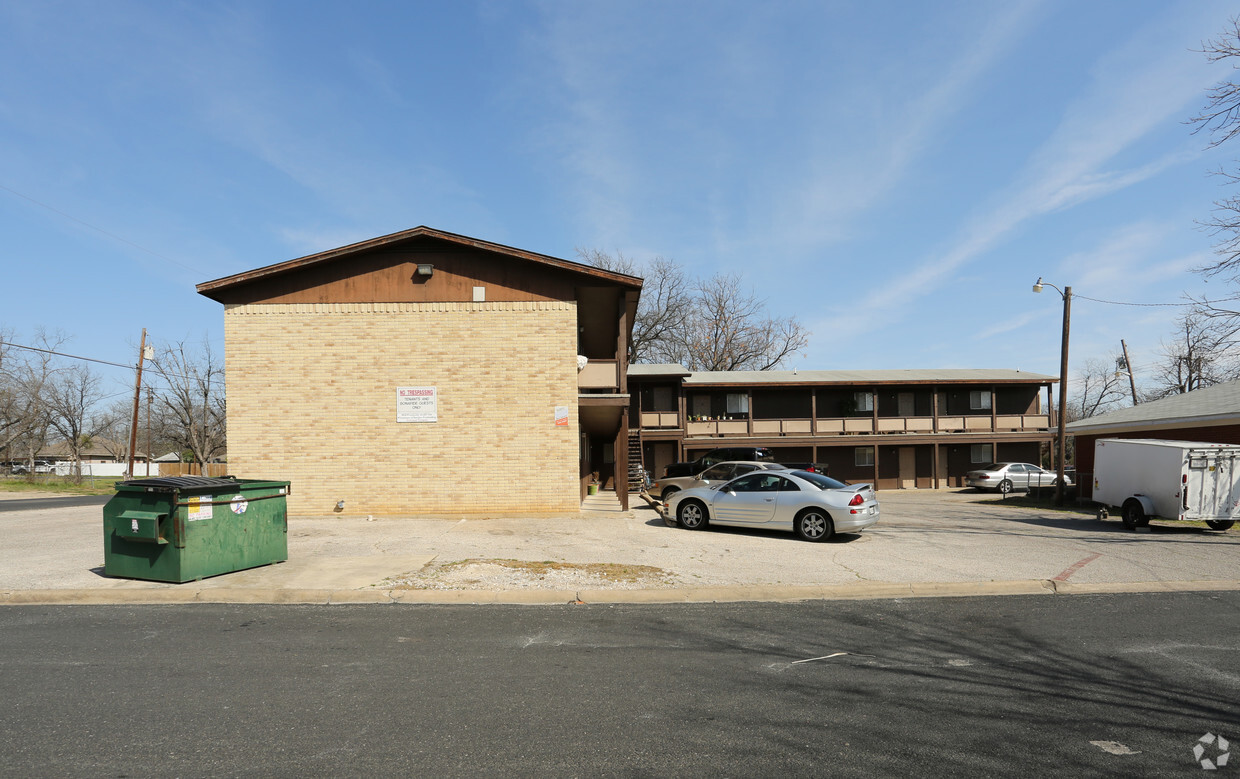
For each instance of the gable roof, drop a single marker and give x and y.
(213, 289)
(1217, 405)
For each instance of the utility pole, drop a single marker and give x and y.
(137, 394)
(1132, 382)
(1063, 394)
(148, 431)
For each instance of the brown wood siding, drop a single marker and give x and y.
(1018, 452)
(1016, 400)
(388, 275)
(781, 404)
(888, 400)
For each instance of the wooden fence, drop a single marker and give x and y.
(192, 469)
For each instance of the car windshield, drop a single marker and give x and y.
(992, 467)
(819, 481)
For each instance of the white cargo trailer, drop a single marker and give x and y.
(1181, 480)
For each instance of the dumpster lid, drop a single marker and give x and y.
(168, 483)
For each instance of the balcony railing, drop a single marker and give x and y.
(849, 425)
(664, 419)
(599, 374)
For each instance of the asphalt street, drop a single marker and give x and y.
(1094, 685)
(43, 503)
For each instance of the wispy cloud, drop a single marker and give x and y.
(1011, 325)
(819, 207)
(1131, 95)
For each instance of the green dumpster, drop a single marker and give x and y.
(183, 528)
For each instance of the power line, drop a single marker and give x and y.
(158, 371)
(100, 230)
(70, 356)
(1152, 305)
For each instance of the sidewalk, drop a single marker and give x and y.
(928, 543)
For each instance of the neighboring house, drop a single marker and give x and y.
(431, 373)
(100, 451)
(1211, 414)
(896, 428)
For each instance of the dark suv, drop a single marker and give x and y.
(751, 453)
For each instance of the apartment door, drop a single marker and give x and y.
(908, 407)
(908, 468)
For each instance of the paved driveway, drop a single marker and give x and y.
(924, 538)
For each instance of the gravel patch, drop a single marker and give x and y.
(478, 574)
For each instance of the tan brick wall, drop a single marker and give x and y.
(312, 399)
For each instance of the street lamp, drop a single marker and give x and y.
(1066, 293)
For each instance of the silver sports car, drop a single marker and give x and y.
(809, 504)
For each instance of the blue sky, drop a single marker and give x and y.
(896, 175)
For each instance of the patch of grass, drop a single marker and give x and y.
(500, 573)
(99, 486)
(616, 572)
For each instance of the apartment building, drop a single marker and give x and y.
(896, 428)
(428, 373)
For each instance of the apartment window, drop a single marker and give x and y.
(979, 453)
(979, 400)
(864, 401)
(863, 456)
(738, 403)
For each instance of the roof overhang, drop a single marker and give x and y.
(216, 287)
(1182, 423)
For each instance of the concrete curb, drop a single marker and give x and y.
(768, 594)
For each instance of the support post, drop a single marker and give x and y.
(137, 393)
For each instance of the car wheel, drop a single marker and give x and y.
(692, 515)
(813, 525)
(1219, 524)
(1134, 515)
(1005, 486)
(669, 492)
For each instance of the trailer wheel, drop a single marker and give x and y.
(1220, 524)
(1134, 515)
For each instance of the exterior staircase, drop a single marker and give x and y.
(637, 470)
(603, 501)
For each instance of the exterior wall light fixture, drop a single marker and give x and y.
(425, 269)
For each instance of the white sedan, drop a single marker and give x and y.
(1005, 477)
(813, 506)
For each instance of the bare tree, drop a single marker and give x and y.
(662, 310)
(1201, 355)
(112, 429)
(729, 330)
(193, 398)
(1220, 121)
(703, 325)
(70, 398)
(1100, 389)
(25, 378)
(10, 403)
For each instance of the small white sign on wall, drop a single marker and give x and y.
(561, 416)
(417, 404)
